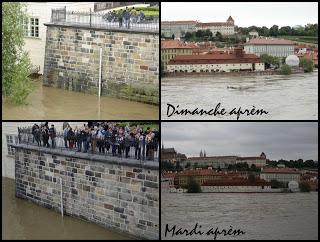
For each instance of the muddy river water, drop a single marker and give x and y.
(283, 97)
(22, 219)
(53, 103)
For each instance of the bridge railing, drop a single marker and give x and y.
(109, 146)
(105, 20)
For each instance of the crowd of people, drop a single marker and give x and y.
(125, 17)
(100, 137)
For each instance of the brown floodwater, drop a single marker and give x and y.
(22, 219)
(54, 103)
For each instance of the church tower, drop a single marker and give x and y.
(230, 20)
(201, 154)
(204, 154)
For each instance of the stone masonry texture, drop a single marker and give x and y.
(130, 62)
(112, 195)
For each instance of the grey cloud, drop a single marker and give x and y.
(287, 140)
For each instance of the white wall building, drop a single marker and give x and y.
(10, 135)
(225, 28)
(284, 175)
(216, 62)
(35, 30)
(270, 46)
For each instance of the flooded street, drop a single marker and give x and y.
(284, 97)
(22, 219)
(56, 104)
(275, 216)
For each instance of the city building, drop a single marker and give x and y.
(253, 34)
(35, 31)
(200, 176)
(224, 161)
(237, 184)
(172, 48)
(280, 174)
(259, 161)
(271, 46)
(177, 29)
(224, 28)
(170, 155)
(216, 62)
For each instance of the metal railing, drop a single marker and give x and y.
(142, 149)
(105, 20)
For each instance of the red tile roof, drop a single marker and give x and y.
(203, 25)
(235, 182)
(215, 58)
(285, 170)
(180, 22)
(176, 44)
(212, 157)
(269, 41)
(205, 172)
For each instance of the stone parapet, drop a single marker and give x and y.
(117, 195)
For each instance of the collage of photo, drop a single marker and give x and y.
(160, 120)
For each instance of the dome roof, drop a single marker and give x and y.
(292, 60)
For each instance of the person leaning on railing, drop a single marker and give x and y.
(71, 138)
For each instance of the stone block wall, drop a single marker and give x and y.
(121, 197)
(130, 62)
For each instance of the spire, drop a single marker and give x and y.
(201, 155)
(204, 154)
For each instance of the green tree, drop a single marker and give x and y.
(274, 30)
(162, 68)
(285, 70)
(306, 64)
(193, 186)
(304, 187)
(219, 36)
(16, 85)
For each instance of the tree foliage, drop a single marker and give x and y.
(285, 70)
(193, 186)
(16, 65)
(306, 64)
(307, 30)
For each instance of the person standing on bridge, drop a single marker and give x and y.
(52, 134)
(120, 17)
(127, 16)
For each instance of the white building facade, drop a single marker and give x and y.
(281, 177)
(269, 46)
(215, 67)
(35, 30)
(177, 28)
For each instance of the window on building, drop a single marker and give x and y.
(11, 139)
(31, 27)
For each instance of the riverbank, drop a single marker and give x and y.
(53, 103)
(25, 220)
(231, 74)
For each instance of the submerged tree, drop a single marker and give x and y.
(193, 186)
(16, 65)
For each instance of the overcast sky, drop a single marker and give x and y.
(245, 14)
(287, 140)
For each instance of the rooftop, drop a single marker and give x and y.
(176, 44)
(285, 170)
(269, 41)
(215, 58)
(180, 22)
